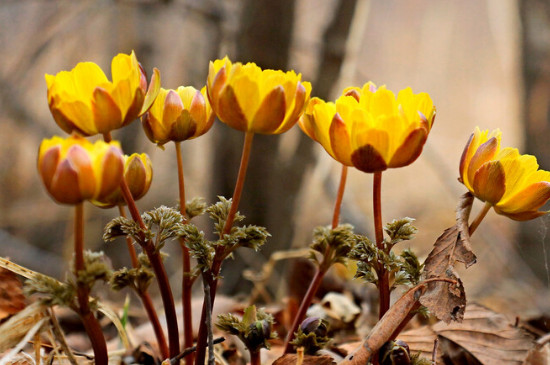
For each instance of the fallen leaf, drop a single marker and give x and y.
(12, 299)
(484, 337)
(538, 355)
(421, 340)
(290, 359)
(445, 300)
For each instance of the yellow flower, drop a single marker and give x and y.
(73, 169)
(83, 100)
(177, 115)
(510, 182)
(370, 128)
(138, 173)
(250, 99)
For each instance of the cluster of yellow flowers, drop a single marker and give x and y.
(368, 128)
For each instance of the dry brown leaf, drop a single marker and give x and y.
(538, 355)
(421, 340)
(290, 359)
(445, 300)
(484, 336)
(12, 299)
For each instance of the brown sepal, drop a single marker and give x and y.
(367, 159)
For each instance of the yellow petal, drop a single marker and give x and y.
(152, 92)
(526, 202)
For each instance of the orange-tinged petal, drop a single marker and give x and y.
(466, 156)
(340, 141)
(136, 176)
(47, 164)
(134, 111)
(271, 112)
(152, 92)
(489, 182)
(81, 163)
(107, 114)
(523, 216)
(307, 121)
(368, 159)
(214, 88)
(173, 107)
(303, 90)
(229, 110)
(485, 152)
(110, 175)
(64, 188)
(411, 148)
(184, 127)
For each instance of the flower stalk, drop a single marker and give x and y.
(383, 275)
(158, 268)
(146, 298)
(211, 275)
(187, 283)
(479, 218)
(322, 268)
(93, 329)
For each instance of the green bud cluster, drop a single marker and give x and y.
(254, 329)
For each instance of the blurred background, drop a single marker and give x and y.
(484, 62)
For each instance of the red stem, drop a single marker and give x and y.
(158, 268)
(212, 274)
(323, 267)
(186, 263)
(146, 299)
(306, 301)
(247, 147)
(479, 218)
(255, 358)
(339, 196)
(93, 329)
(383, 275)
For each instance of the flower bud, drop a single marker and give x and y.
(311, 335)
(138, 173)
(395, 353)
(178, 115)
(314, 325)
(74, 169)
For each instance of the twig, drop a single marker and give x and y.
(187, 351)
(211, 360)
(299, 355)
(58, 333)
(543, 340)
(434, 352)
(259, 279)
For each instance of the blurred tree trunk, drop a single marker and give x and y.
(264, 38)
(272, 185)
(535, 18)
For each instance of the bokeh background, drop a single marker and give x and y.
(484, 62)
